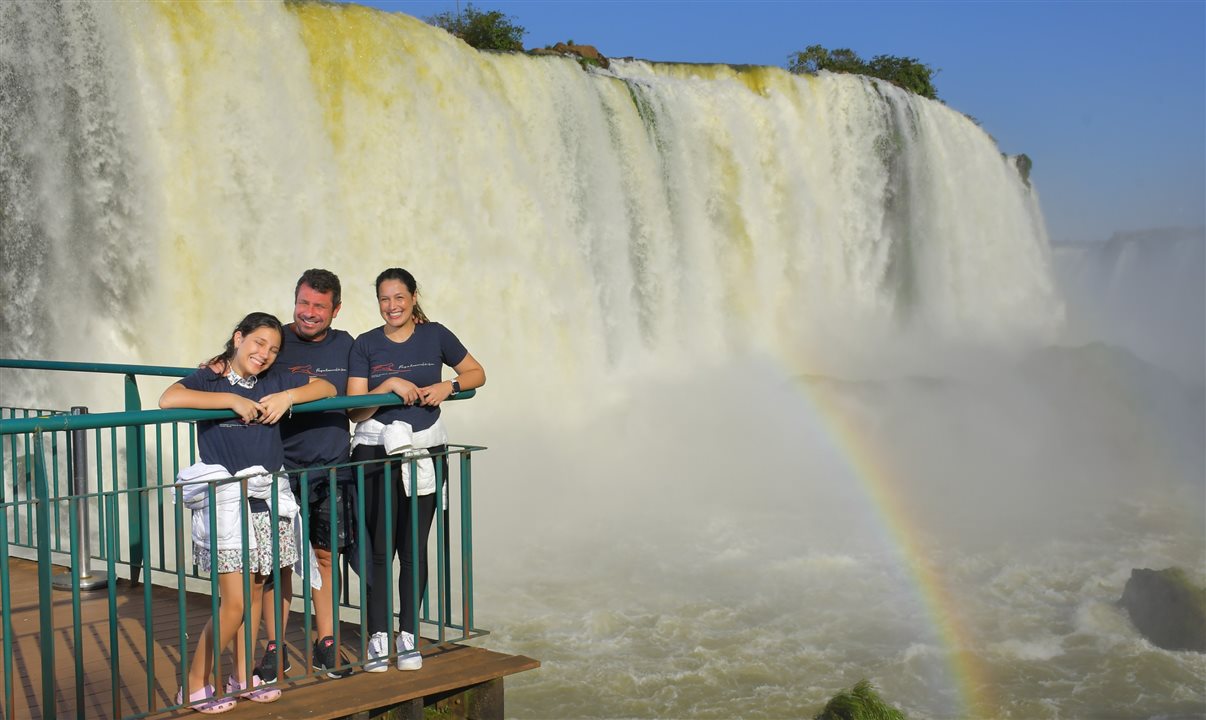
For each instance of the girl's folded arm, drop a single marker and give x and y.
(178, 396)
(279, 403)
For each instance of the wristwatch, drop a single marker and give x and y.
(456, 386)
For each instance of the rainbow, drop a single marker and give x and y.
(872, 467)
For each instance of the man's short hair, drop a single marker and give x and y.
(322, 281)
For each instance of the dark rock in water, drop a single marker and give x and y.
(586, 54)
(1024, 165)
(1167, 608)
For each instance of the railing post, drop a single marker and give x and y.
(79, 486)
(136, 479)
(46, 639)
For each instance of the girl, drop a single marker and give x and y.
(247, 447)
(404, 356)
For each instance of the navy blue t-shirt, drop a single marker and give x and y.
(316, 438)
(232, 443)
(419, 359)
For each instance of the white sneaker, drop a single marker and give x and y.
(408, 657)
(378, 653)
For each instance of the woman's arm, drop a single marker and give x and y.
(178, 396)
(278, 403)
(470, 375)
(404, 389)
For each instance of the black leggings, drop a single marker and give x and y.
(374, 508)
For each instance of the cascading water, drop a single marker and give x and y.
(767, 341)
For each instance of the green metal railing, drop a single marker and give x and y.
(50, 510)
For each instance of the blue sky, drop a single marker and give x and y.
(1107, 98)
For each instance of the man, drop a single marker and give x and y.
(314, 440)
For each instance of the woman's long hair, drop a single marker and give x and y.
(411, 284)
(254, 321)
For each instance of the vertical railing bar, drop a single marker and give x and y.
(441, 514)
(362, 551)
(181, 595)
(53, 488)
(12, 444)
(111, 560)
(28, 477)
(388, 502)
(6, 610)
(467, 541)
(115, 520)
(99, 464)
(278, 595)
(212, 497)
(303, 553)
(147, 606)
(45, 605)
(78, 549)
(419, 604)
(135, 480)
(159, 492)
(249, 651)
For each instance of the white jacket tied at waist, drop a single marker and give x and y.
(194, 482)
(399, 439)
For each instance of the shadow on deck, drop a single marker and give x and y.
(124, 680)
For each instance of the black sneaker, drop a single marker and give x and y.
(266, 670)
(327, 657)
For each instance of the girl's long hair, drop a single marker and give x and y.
(254, 321)
(411, 284)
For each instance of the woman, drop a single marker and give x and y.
(404, 356)
(248, 447)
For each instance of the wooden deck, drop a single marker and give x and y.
(445, 669)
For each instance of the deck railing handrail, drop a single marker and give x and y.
(114, 368)
(53, 423)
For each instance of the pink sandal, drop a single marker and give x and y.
(259, 692)
(211, 705)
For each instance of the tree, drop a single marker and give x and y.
(906, 72)
(484, 30)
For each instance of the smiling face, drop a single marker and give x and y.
(313, 312)
(256, 351)
(396, 303)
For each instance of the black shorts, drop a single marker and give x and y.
(322, 510)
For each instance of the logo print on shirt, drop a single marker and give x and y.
(303, 369)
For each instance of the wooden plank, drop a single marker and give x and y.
(444, 669)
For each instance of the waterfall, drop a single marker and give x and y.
(167, 167)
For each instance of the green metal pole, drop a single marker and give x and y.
(6, 610)
(136, 480)
(467, 541)
(45, 582)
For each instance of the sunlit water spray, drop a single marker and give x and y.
(775, 400)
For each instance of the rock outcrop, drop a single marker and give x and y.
(1167, 608)
(585, 54)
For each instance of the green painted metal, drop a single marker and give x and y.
(111, 547)
(117, 369)
(136, 479)
(467, 540)
(45, 588)
(149, 417)
(77, 625)
(6, 604)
